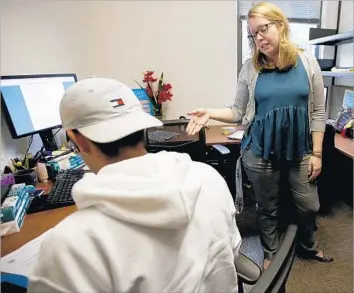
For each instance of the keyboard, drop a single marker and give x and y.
(60, 194)
(161, 136)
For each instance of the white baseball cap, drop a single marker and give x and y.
(103, 110)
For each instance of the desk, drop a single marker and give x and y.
(344, 145)
(36, 224)
(214, 135)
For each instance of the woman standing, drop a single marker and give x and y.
(280, 103)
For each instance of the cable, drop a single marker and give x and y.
(29, 145)
(56, 132)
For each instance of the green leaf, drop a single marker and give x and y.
(139, 85)
(159, 88)
(153, 100)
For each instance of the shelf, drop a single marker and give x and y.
(346, 74)
(334, 40)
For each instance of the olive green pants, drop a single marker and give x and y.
(266, 177)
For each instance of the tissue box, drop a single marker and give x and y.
(12, 203)
(15, 226)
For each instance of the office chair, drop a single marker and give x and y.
(172, 136)
(273, 279)
(326, 182)
(248, 272)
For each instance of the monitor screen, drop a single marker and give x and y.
(31, 103)
(348, 100)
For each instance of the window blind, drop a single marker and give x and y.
(302, 10)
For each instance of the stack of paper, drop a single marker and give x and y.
(23, 260)
(236, 135)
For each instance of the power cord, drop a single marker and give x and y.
(29, 145)
(56, 132)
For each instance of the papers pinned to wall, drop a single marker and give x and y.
(144, 100)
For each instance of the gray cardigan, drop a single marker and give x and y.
(244, 110)
(243, 107)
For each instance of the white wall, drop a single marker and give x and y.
(193, 42)
(40, 37)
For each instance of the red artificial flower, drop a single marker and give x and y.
(167, 86)
(158, 93)
(169, 96)
(161, 98)
(164, 96)
(148, 76)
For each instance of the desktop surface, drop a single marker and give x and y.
(214, 135)
(35, 224)
(345, 145)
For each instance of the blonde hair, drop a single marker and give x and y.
(288, 52)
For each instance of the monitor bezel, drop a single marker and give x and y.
(6, 112)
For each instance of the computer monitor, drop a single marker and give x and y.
(30, 104)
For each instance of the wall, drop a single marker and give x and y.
(40, 37)
(193, 42)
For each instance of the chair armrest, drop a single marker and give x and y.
(221, 149)
(248, 271)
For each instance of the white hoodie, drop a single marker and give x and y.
(156, 223)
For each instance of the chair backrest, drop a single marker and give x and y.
(328, 139)
(326, 181)
(172, 136)
(274, 278)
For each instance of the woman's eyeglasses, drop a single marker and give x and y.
(262, 30)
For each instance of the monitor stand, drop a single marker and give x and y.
(48, 140)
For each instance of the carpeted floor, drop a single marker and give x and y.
(335, 236)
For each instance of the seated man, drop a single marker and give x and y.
(145, 222)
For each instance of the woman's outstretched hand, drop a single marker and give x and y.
(199, 118)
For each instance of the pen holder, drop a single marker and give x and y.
(29, 177)
(42, 172)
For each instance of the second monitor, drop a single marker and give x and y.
(31, 104)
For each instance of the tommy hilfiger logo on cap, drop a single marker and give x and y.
(117, 103)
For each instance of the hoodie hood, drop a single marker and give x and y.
(157, 190)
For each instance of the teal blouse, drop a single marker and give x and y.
(281, 129)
